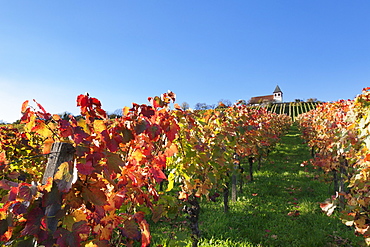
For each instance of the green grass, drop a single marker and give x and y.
(264, 213)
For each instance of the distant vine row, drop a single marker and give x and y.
(292, 109)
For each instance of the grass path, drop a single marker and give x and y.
(279, 208)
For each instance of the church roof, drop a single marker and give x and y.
(261, 99)
(277, 89)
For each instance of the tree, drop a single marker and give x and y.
(65, 115)
(17, 121)
(213, 106)
(312, 100)
(116, 113)
(225, 102)
(201, 106)
(185, 106)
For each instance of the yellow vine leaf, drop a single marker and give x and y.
(47, 145)
(65, 177)
(49, 184)
(91, 244)
(99, 126)
(171, 181)
(79, 215)
(28, 126)
(44, 130)
(82, 123)
(137, 155)
(125, 110)
(56, 117)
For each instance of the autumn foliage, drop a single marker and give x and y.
(109, 189)
(339, 132)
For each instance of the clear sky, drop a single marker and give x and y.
(125, 51)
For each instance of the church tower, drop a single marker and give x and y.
(278, 95)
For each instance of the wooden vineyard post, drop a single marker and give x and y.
(234, 177)
(226, 198)
(60, 152)
(233, 186)
(250, 160)
(193, 210)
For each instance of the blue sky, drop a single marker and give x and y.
(125, 51)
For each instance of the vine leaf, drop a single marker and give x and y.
(131, 230)
(80, 227)
(85, 168)
(24, 106)
(125, 110)
(157, 212)
(4, 185)
(65, 238)
(64, 176)
(144, 226)
(33, 224)
(94, 195)
(158, 175)
(114, 162)
(47, 145)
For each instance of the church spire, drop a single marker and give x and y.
(277, 89)
(278, 94)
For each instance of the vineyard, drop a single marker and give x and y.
(97, 181)
(338, 134)
(292, 109)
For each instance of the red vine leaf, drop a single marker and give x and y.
(130, 230)
(25, 192)
(144, 226)
(4, 185)
(94, 195)
(81, 227)
(158, 174)
(33, 222)
(24, 106)
(65, 238)
(85, 168)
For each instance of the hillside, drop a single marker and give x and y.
(292, 109)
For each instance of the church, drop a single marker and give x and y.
(276, 97)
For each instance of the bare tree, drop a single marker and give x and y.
(225, 102)
(201, 106)
(213, 106)
(116, 114)
(312, 100)
(185, 106)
